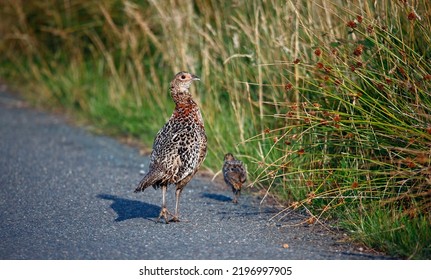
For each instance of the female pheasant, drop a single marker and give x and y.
(234, 174)
(180, 146)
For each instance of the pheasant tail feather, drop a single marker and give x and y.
(150, 179)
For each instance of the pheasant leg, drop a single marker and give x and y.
(236, 196)
(164, 212)
(175, 217)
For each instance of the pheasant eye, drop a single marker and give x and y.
(183, 77)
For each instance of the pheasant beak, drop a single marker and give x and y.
(195, 78)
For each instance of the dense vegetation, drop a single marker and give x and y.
(328, 102)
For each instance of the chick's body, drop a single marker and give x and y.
(234, 174)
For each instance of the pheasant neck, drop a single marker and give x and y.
(188, 110)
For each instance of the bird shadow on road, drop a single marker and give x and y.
(218, 197)
(239, 210)
(129, 209)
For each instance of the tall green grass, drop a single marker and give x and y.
(326, 101)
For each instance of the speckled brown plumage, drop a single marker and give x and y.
(234, 174)
(180, 146)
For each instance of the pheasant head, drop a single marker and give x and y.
(180, 86)
(229, 157)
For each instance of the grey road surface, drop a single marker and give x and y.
(66, 193)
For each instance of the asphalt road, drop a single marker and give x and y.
(66, 193)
